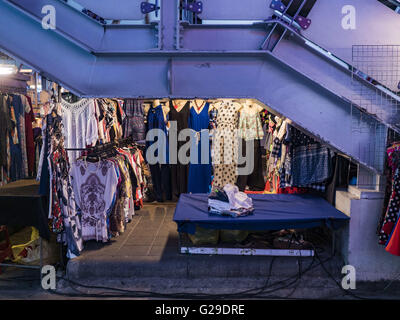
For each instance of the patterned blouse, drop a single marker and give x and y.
(250, 126)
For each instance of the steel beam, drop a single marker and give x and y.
(90, 34)
(235, 10)
(338, 79)
(375, 24)
(169, 22)
(224, 38)
(122, 39)
(109, 9)
(299, 53)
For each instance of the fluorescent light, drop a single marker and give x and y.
(26, 71)
(6, 69)
(38, 87)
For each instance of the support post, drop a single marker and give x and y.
(169, 23)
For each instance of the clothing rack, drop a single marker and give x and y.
(102, 150)
(105, 146)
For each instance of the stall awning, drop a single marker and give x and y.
(271, 212)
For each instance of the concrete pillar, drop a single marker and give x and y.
(358, 242)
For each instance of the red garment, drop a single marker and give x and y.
(393, 245)
(254, 192)
(272, 184)
(30, 145)
(292, 190)
(391, 215)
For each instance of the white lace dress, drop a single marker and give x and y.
(80, 125)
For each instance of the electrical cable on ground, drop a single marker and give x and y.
(337, 283)
(240, 295)
(260, 292)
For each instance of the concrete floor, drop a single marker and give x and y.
(151, 233)
(146, 258)
(149, 248)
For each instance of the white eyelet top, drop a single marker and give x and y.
(80, 125)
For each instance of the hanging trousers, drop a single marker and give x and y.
(161, 176)
(255, 180)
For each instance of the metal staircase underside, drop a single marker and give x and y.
(172, 58)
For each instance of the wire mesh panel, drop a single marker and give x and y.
(369, 141)
(376, 76)
(375, 82)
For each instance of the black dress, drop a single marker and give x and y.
(179, 171)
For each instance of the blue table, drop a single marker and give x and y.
(271, 212)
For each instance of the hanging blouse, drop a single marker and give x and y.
(250, 126)
(80, 125)
(95, 186)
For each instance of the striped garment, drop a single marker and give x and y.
(310, 165)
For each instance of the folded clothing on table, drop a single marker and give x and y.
(229, 201)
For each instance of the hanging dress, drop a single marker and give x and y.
(5, 128)
(250, 128)
(160, 172)
(225, 145)
(199, 171)
(393, 244)
(16, 110)
(134, 124)
(30, 145)
(179, 171)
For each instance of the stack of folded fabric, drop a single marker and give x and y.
(229, 201)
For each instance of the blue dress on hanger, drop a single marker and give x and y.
(160, 172)
(200, 173)
(17, 166)
(155, 120)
